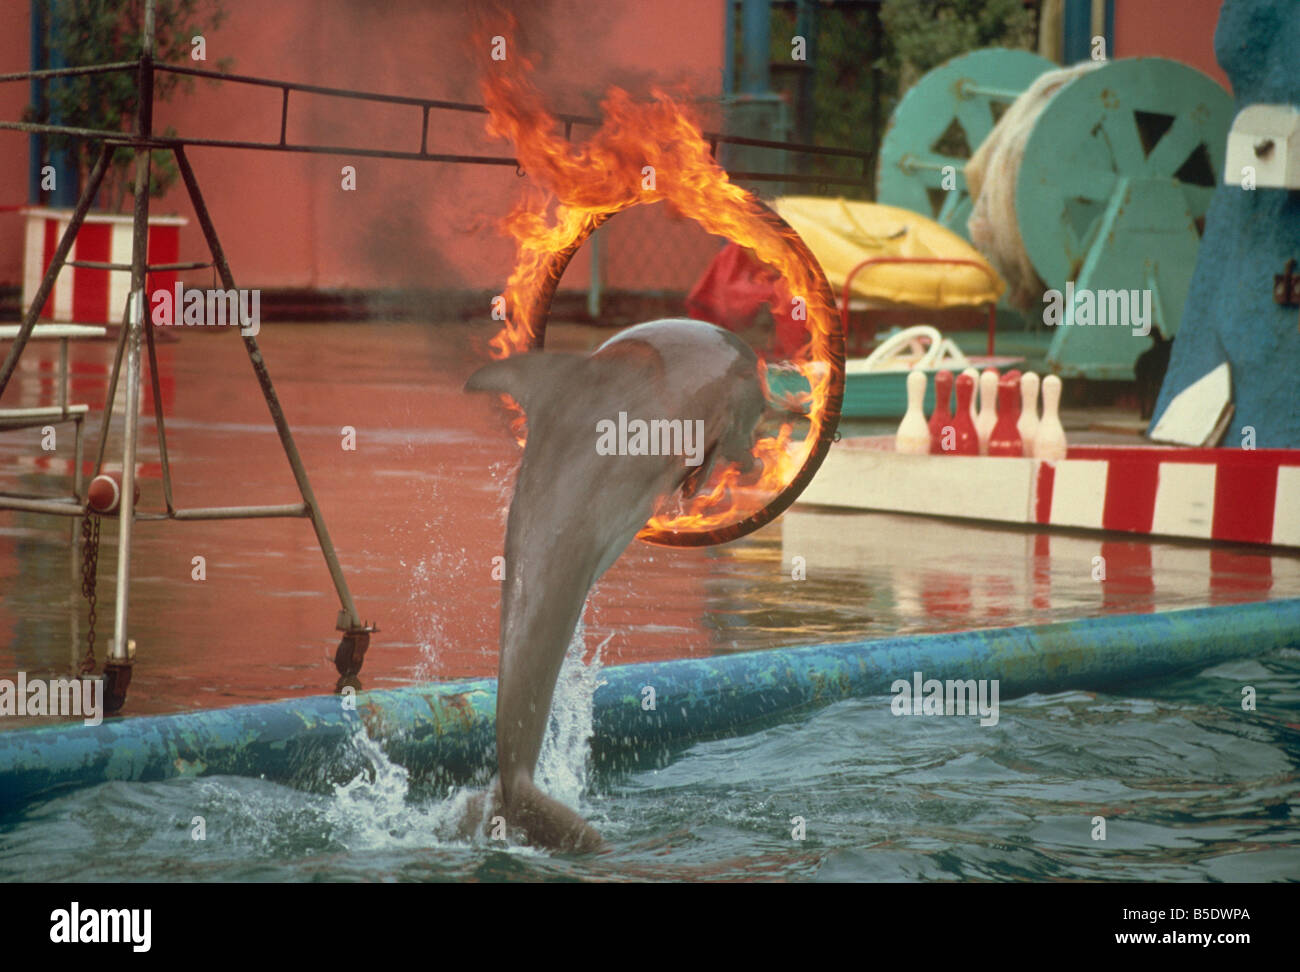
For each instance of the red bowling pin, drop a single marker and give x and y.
(974, 377)
(987, 416)
(1005, 438)
(966, 441)
(942, 417)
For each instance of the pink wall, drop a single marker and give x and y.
(1182, 30)
(286, 222)
(15, 30)
(284, 219)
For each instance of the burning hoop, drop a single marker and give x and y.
(661, 530)
(643, 153)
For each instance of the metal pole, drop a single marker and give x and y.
(968, 89)
(106, 422)
(594, 289)
(756, 49)
(729, 62)
(805, 94)
(272, 399)
(63, 376)
(118, 649)
(34, 140)
(877, 83)
(156, 385)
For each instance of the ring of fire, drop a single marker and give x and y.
(824, 372)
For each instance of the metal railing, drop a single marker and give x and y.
(135, 332)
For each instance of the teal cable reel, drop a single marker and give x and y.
(1112, 191)
(940, 122)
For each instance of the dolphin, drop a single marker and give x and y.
(586, 486)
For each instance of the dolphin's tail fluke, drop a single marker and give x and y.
(546, 822)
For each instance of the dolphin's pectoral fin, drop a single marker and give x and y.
(528, 378)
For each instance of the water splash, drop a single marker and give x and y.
(376, 809)
(428, 581)
(429, 578)
(564, 762)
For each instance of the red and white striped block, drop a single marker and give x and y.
(1248, 496)
(93, 296)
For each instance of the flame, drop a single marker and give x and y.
(645, 153)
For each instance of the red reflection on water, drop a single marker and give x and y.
(417, 513)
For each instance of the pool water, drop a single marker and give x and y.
(1190, 786)
(1191, 789)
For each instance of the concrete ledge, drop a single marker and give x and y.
(444, 732)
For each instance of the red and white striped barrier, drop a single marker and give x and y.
(93, 296)
(1248, 496)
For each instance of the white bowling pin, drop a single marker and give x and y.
(1027, 427)
(975, 392)
(913, 436)
(1049, 442)
(988, 413)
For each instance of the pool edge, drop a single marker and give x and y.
(445, 730)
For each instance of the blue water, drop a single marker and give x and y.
(1192, 788)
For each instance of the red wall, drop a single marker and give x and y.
(1179, 29)
(284, 219)
(286, 222)
(15, 55)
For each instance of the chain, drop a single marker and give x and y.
(89, 568)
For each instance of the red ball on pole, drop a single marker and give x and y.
(105, 492)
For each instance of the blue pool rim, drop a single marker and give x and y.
(444, 732)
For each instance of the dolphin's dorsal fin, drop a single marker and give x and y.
(530, 377)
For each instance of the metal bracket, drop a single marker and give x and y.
(117, 679)
(352, 655)
(1286, 287)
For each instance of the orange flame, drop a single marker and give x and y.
(587, 183)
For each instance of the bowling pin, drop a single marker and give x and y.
(1049, 441)
(966, 441)
(913, 436)
(974, 395)
(988, 416)
(1005, 439)
(1028, 424)
(941, 418)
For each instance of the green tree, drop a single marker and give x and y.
(867, 55)
(81, 33)
(925, 33)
